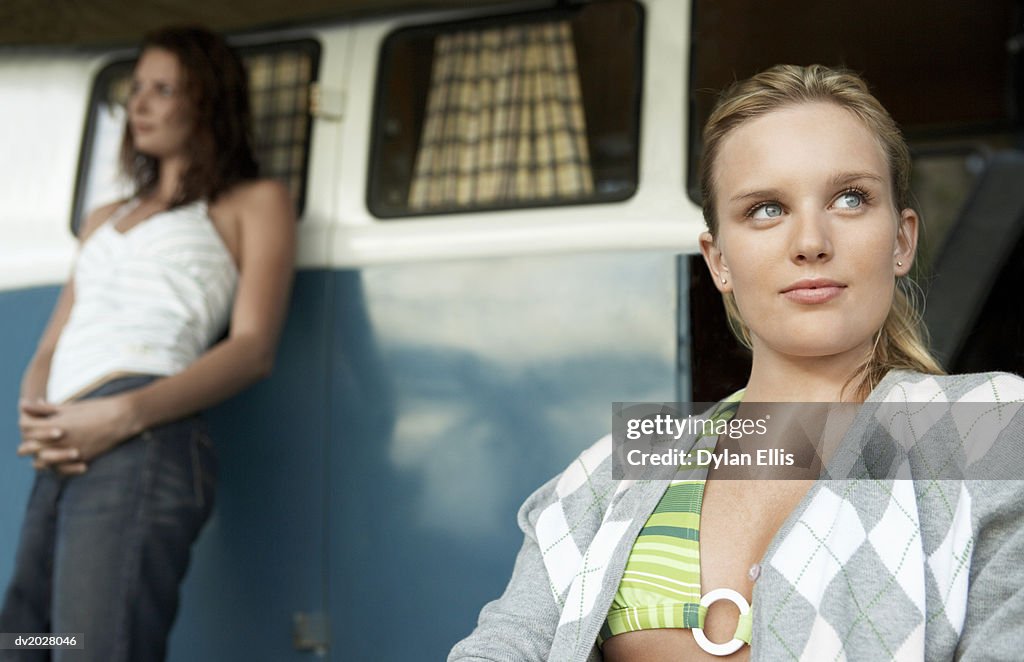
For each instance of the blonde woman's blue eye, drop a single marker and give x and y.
(850, 200)
(768, 210)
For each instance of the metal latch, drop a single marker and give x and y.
(326, 103)
(311, 632)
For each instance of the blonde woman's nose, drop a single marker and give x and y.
(811, 239)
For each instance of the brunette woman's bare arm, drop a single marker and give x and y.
(265, 224)
(37, 373)
(33, 381)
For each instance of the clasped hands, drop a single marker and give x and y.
(66, 437)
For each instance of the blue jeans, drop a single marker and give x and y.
(103, 553)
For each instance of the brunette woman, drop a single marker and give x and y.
(176, 302)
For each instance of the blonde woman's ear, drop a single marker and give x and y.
(715, 262)
(906, 241)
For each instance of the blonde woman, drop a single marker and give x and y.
(810, 238)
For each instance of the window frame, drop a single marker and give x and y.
(384, 66)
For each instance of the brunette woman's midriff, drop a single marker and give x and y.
(103, 381)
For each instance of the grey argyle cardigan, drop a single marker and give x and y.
(861, 570)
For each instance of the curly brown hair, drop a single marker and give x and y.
(216, 85)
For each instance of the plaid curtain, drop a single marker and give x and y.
(504, 120)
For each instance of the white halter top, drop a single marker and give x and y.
(147, 301)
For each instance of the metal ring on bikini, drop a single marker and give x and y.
(709, 598)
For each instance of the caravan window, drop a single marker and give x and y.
(532, 110)
(279, 80)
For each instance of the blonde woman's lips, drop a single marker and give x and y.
(813, 291)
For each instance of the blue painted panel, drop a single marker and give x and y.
(458, 389)
(377, 474)
(261, 557)
(24, 314)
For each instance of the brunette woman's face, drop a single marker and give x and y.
(159, 114)
(809, 240)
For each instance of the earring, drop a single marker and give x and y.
(723, 280)
(898, 263)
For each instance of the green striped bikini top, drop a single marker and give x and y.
(660, 586)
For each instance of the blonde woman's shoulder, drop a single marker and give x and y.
(1003, 387)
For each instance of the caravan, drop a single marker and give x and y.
(472, 298)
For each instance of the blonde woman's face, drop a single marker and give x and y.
(809, 241)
